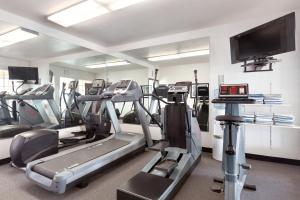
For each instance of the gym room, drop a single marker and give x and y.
(149, 100)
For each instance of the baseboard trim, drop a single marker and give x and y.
(4, 161)
(263, 158)
(207, 149)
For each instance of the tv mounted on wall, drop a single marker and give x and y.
(272, 38)
(23, 73)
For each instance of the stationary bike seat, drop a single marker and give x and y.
(230, 119)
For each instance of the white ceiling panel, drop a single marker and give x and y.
(150, 18)
(173, 48)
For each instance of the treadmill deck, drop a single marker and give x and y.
(68, 161)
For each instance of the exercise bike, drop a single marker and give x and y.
(234, 163)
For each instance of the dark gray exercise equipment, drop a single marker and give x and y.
(180, 151)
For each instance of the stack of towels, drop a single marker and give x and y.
(259, 98)
(267, 98)
(284, 119)
(273, 99)
(277, 119)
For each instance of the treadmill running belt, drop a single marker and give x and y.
(51, 167)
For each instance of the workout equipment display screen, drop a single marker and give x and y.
(275, 37)
(123, 84)
(203, 90)
(233, 90)
(23, 73)
(98, 83)
(73, 85)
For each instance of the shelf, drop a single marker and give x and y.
(272, 125)
(268, 105)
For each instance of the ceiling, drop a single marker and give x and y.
(150, 18)
(143, 53)
(41, 47)
(97, 70)
(172, 48)
(122, 28)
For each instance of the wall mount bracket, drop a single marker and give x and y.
(259, 65)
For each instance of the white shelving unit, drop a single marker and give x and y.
(270, 125)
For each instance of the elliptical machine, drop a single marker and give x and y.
(180, 150)
(71, 116)
(234, 161)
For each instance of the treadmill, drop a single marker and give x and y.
(35, 144)
(59, 172)
(30, 117)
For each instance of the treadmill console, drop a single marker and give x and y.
(233, 91)
(40, 90)
(178, 92)
(73, 85)
(3, 93)
(203, 90)
(178, 89)
(98, 83)
(122, 86)
(161, 91)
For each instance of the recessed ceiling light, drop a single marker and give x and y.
(15, 36)
(180, 55)
(119, 4)
(109, 64)
(78, 13)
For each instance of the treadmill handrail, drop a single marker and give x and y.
(94, 97)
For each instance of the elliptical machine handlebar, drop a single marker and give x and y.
(196, 92)
(155, 91)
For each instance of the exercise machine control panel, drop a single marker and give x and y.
(40, 90)
(73, 85)
(233, 91)
(178, 92)
(234, 94)
(98, 83)
(178, 89)
(122, 86)
(161, 91)
(3, 93)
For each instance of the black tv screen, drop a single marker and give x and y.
(272, 38)
(23, 73)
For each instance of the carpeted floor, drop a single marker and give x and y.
(273, 181)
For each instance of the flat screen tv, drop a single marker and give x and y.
(272, 38)
(23, 73)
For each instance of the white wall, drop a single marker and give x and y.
(111, 75)
(5, 62)
(281, 142)
(43, 69)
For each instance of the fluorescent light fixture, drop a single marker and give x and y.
(15, 36)
(180, 55)
(96, 66)
(119, 4)
(78, 13)
(110, 64)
